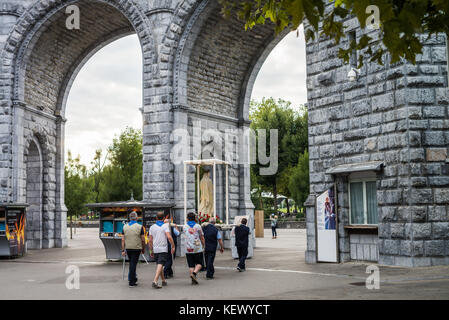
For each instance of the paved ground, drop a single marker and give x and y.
(277, 271)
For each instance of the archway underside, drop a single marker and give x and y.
(222, 59)
(59, 52)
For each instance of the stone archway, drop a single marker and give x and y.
(215, 65)
(43, 58)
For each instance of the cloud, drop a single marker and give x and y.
(105, 98)
(283, 74)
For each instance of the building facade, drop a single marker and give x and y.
(198, 72)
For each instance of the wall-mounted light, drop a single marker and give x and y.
(353, 74)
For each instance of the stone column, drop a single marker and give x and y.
(311, 233)
(182, 144)
(60, 219)
(246, 206)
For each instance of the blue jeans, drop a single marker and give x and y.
(133, 256)
(273, 231)
(243, 253)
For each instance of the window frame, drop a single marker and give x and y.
(365, 202)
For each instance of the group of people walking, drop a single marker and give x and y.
(201, 245)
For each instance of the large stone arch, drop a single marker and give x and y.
(214, 65)
(41, 59)
(193, 19)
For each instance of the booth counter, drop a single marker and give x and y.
(114, 215)
(13, 230)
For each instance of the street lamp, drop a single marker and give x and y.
(353, 74)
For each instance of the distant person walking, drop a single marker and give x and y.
(274, 225)
(242, 233)
(194, 246)
(211, 237)
(133, 244)
(159, 236)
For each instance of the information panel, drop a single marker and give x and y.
(326, 227)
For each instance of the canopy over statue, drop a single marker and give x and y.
(206, 197)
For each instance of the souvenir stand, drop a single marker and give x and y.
(13, 229)
(114, 215)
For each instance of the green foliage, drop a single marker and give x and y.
(106, 181)
(292, 141)
(400, 22)
(299, 180)
(77, 186)
(124, 174)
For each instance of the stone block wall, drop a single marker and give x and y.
(200, 66)
(395, 113)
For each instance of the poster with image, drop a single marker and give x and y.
(326, 226)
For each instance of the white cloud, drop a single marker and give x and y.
(105, 98)
(283, 75)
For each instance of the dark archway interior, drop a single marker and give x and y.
(58, 51)
(34, 193)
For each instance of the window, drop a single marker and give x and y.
(363, 201)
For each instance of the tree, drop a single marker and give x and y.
(399, 21)
(77, 188)
(123, 175)
(97, 172)
(292, 138)
(283, 183)
(299, 180)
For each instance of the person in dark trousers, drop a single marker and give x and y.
(168, 267)
(133, 244)
(242, 233)
(211, 237)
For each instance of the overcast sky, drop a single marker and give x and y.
(107, 93)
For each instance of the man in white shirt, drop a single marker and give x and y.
(159, 235)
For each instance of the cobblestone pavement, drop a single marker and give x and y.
(277, 271)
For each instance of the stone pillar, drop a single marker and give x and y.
(343, 217)
(18, 146)
(60, 219)
(182, 141)
(311, 233)
(246, 206)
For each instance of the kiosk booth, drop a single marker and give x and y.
(13, 229)
(114, 215)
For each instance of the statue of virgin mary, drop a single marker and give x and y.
(206, 196)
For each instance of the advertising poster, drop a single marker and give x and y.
(15, 231)
(326, 226)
